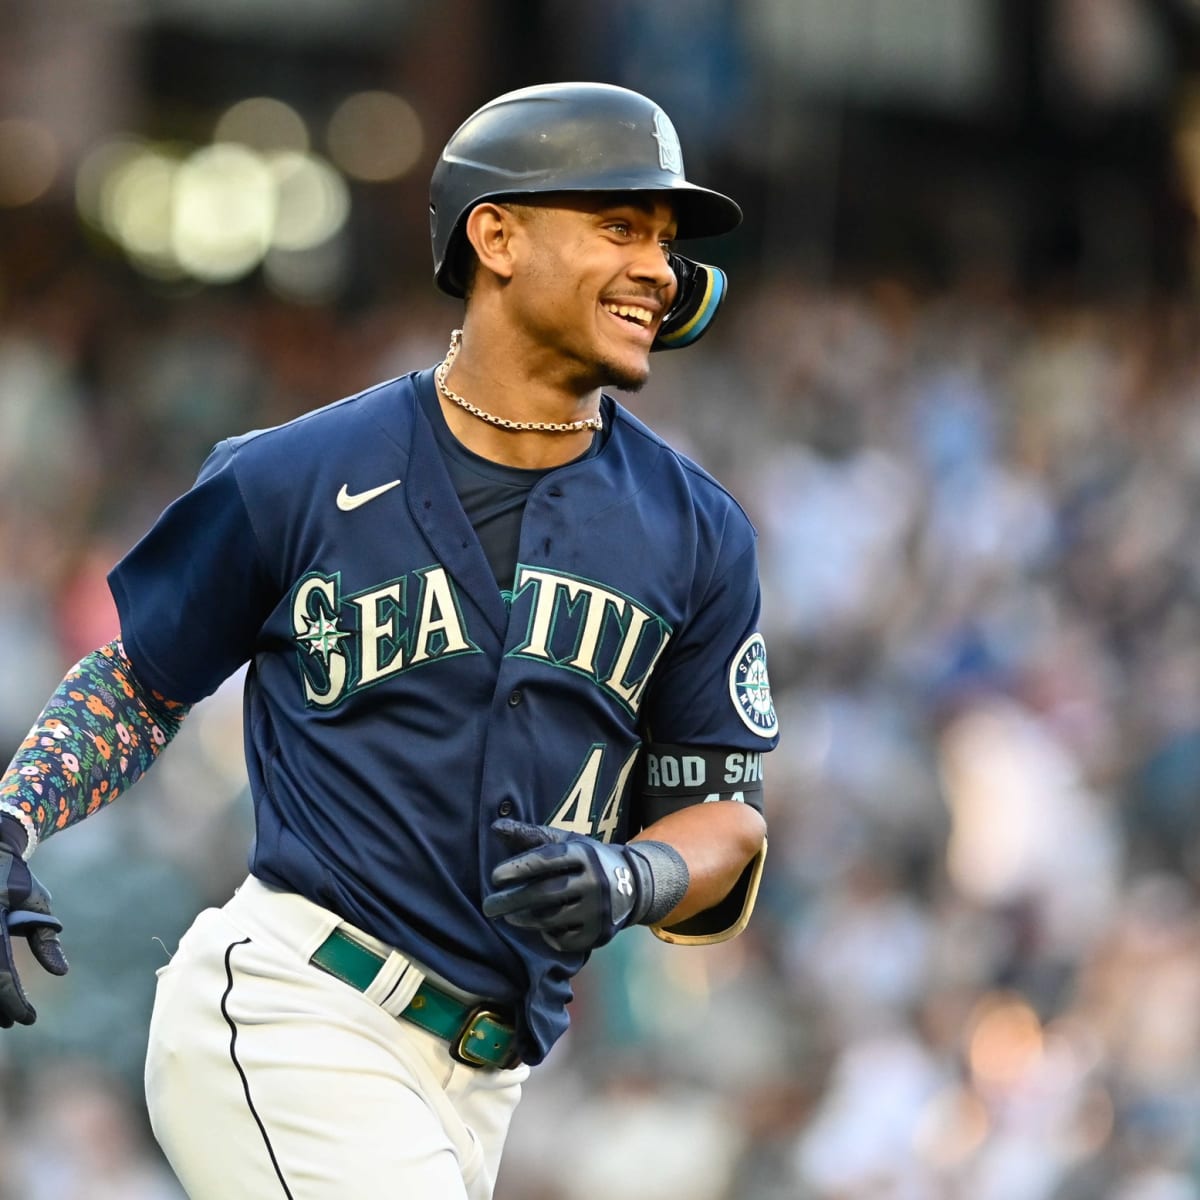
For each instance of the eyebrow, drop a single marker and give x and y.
(643, 202)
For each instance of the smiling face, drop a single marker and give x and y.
(591, 281)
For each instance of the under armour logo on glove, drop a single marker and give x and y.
(579, 892)
(576, 891)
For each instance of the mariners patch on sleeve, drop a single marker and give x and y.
(750, 689)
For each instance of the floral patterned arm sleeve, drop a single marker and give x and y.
(96, 737)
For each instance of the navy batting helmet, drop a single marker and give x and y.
(562, 137)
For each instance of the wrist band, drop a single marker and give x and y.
(31, 833)
(668, 877)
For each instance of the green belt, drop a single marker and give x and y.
(478, 1035)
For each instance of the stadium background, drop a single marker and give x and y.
(955, 386)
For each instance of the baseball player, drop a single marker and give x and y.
(506, 695)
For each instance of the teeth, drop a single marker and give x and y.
(631, 312)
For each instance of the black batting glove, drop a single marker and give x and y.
(25, 912)
(579, 892)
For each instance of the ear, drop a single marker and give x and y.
(490, 229)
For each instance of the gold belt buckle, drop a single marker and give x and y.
(461, 1049)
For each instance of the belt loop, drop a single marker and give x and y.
(396, 984)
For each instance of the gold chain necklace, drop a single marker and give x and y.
(503, 422)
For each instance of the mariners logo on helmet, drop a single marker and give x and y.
(750, 689)
(670, 152)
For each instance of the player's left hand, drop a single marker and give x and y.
(578, 892)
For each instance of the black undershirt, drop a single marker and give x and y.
(492, 494)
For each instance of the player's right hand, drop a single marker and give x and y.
(576, 891)
(25, 912)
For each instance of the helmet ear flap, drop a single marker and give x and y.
(701, 289)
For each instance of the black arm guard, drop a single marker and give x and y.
(669, 778)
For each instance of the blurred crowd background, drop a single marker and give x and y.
(957, 388)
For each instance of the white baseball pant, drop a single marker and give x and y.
(268, 1078)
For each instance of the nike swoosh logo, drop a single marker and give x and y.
(348, 503)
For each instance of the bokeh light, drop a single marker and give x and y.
(94, 174)
(29, 161)
(224, 212)
(1004, 1040)
(136, 204)
(312, 201)
(375, 136)
(263, 123)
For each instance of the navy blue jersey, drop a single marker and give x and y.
(397, 702)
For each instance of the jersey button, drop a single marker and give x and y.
(514, 698)
(505, 809)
